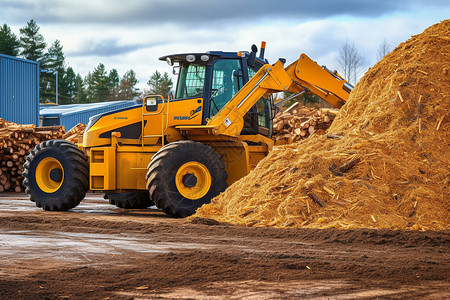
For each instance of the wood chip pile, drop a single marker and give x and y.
(299, 122)
(16, 142)
(388, 165)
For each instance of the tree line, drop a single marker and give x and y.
(97, 86)
(102, 85)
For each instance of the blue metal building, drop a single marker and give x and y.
(72, 114)
(19, 90)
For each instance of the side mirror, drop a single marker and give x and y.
(176, 70)
(252, 56)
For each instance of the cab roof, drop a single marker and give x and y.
(182, 56)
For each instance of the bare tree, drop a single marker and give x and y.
(383, 49)
(350, 61)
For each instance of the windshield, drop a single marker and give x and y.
(226, 82)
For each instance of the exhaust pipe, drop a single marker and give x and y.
(263, 50)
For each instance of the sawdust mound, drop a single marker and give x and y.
(395, 127)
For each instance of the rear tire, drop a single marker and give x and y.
(56, 175)
(184, 175)
(130, 200)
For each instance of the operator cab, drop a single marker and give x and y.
(216, 77)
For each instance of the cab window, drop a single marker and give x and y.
(263, 108)
(191, 81)
(257, 119)
(251, 73)
(226, 81)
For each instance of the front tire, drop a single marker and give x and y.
(184, 175)
(56, 175)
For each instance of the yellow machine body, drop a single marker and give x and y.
(123, 168)
(121, 144)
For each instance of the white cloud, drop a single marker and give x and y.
(133, 34)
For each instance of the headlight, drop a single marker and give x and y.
(190, 58)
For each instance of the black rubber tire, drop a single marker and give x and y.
(164, 166)
(75, 183)
(130, 200)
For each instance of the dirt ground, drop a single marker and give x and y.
(98, 251)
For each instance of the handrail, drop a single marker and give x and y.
(160, 111)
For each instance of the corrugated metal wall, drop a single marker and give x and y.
(72, 114)
(19, 90)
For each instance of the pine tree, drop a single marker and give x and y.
(33, 47)
(160, 84)
(68, 87)
(127, 86)
(55, 57)
(9, 43)
(55, 61)
(33, 43)
(99, 83)
(80, 95)
(89, 84)
(113, 85)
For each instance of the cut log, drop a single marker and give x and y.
(57, 128)
(291, 107)
(7, 185)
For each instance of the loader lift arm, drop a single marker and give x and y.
(303, 75)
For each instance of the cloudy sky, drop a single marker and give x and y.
(133, 34)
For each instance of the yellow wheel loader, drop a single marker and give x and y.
(179, 152)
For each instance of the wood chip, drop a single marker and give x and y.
(329, 191)
(439, 122)
(400, 96)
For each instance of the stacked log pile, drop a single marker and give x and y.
(299, 122)
(16, 142)
(75, 135)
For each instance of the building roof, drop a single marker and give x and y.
(51, 110)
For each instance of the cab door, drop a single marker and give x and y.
(227, 80)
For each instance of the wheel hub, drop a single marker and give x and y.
(193, 180)
(49, 175)
(189, 180)
(56, 175)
